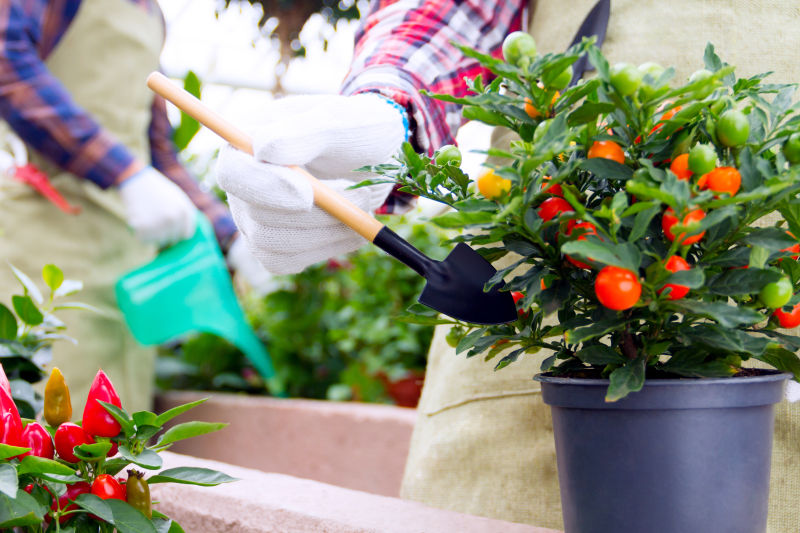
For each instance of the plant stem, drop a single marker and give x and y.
(629, 345)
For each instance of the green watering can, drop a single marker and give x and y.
(187, 288)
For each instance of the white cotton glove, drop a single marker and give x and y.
(244, 264)
(329, 136)
(793, 391)
(159, 211)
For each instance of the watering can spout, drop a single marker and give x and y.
(186, 289)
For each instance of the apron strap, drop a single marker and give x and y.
(595, 23)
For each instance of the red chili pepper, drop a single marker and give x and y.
(10, 422)
(96, 420)
(114, 449)
(69, 435)
(36, 437)
(73, 491)
(4, 380)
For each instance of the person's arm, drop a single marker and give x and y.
(41, 111)
(165, 159)
(406, 46)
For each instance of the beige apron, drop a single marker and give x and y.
(102, 60)
(483, 441)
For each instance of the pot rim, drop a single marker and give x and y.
(679, 393)
(767, 376)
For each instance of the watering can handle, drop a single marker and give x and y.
(335, 204)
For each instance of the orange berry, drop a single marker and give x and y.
(669, 219)
(722, 180)
(680, 167)
(607, 150)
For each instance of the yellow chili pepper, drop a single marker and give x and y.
(57, 405)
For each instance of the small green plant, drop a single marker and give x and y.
(27, 333)
(606, 184)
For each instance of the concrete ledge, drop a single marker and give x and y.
(276, 503)
(353, 445)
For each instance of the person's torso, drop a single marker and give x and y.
(103, 59)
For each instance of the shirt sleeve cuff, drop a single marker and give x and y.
(102, 161)
(430, 124)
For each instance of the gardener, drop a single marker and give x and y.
(72, 86)
(483, 441)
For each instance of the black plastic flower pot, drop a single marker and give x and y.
(679, 456)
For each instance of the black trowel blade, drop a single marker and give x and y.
(455, 288)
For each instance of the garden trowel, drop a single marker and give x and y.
(454, 286)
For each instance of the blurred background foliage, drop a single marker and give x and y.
(333, 331)
(283, 19)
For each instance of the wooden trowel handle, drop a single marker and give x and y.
(334, 203)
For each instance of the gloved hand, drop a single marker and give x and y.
(793, 391)
(244, 264)
(158, 210)
(329, 136)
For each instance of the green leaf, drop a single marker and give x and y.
(773, 239)
(593, 249)
(188, 126)
(27, 310)
(607, 169)
(463, 219)
(8, 324)
(41, 465)
(7, 451)
(642, 221)
(164, 524)
(166, 416)
(626, 379)
(128, 519)
(52, 276)
(758, 257)
(600, 354)
(8, 480)
(145, 418)
(188, 430)
(92, 452)
(742, 281)
(191, 476)
(146, 459)
(693, 278)
(594, 330)
(718, 339)
(783, 360)
(725, 315)
(121, 416)
(589, 112)
(469, 340)
(96, 506)
(692, 363)
(29, 286)
(23, 510)
(68, 287)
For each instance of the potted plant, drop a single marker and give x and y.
(648, 231)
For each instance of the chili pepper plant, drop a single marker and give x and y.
(28, 332)
(57, 475)
(649, 226)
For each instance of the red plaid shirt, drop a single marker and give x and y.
(404, 46)
(41, 112)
